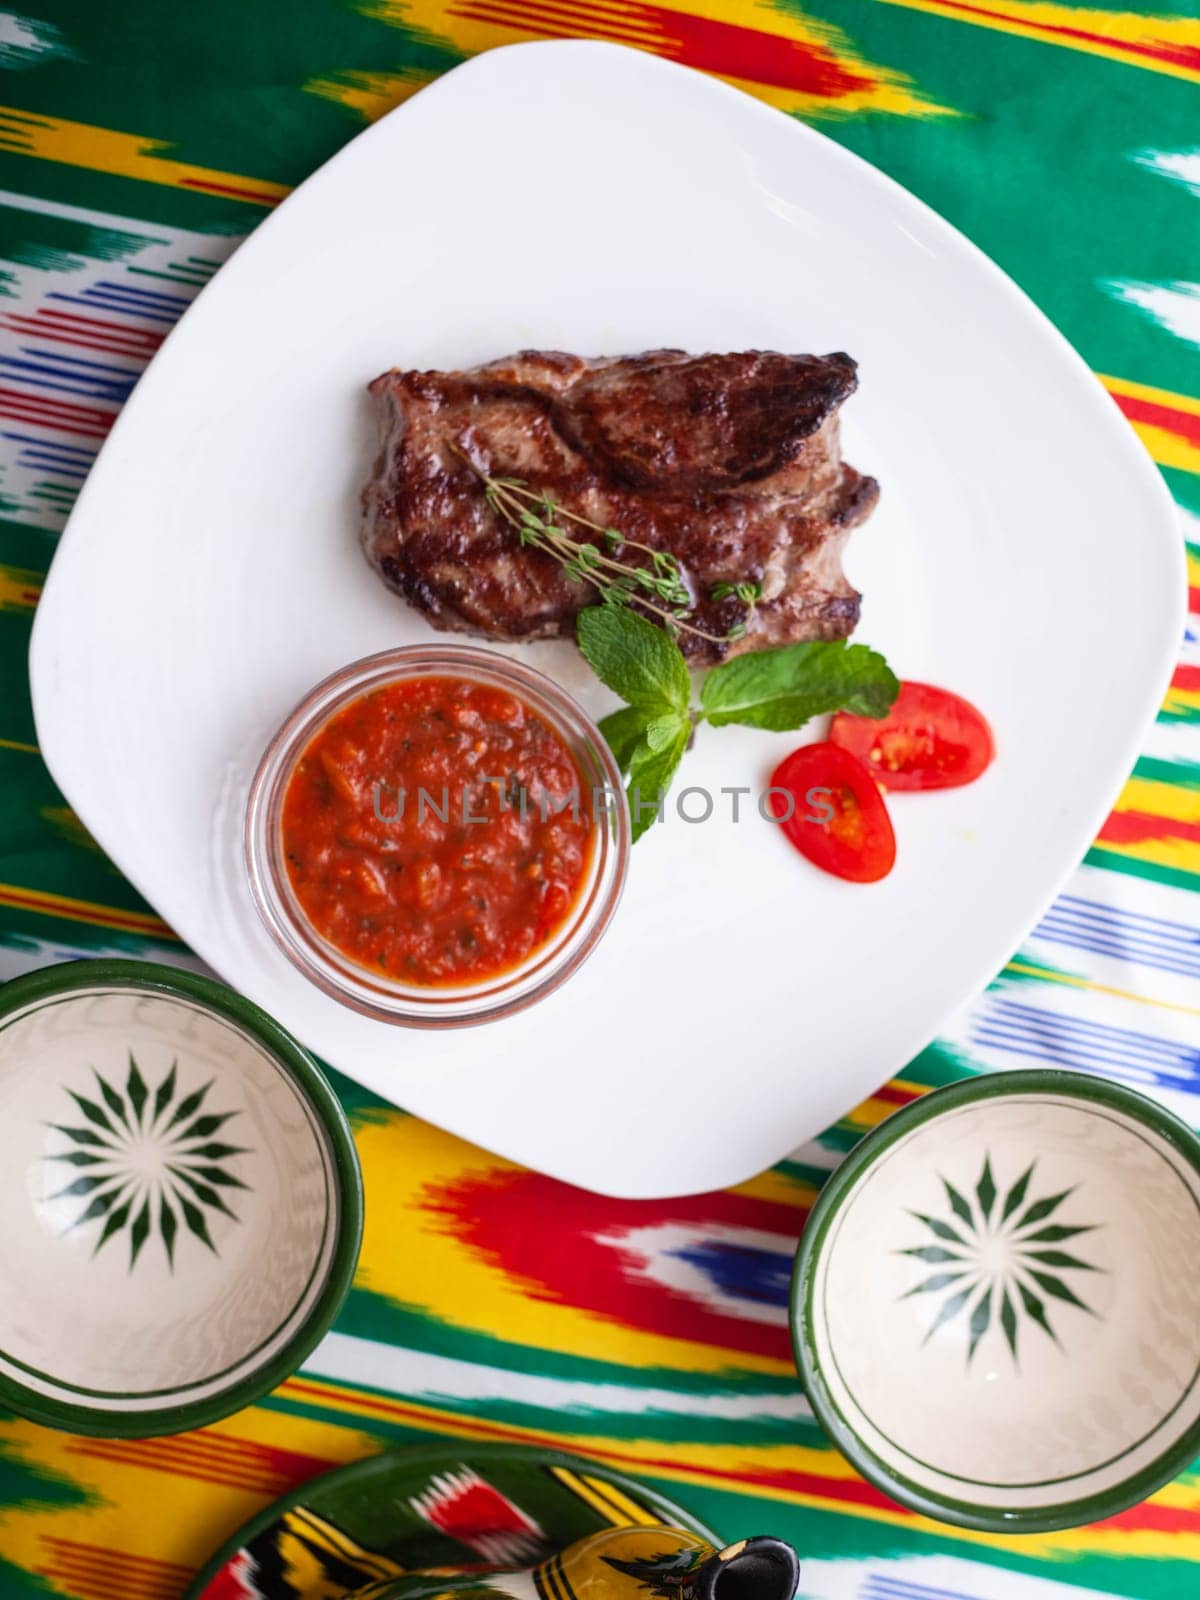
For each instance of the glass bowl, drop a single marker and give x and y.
(373, 992)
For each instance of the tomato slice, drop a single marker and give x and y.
(830, 807)
(930, 739)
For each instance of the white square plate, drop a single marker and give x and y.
(594, 199)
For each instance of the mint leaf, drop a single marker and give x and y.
(637, 660)
(650, 774)
(783, 688)
(663, 731)
(624, 731)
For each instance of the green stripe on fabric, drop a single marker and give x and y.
(366, 1315)
(24, 544)
(45, 848)
(25, 1487)
(1045, 132)
(1153, 871)
(276, 130)
(19, 769)
(153, 203)
(940, 1063)
(1181, 774)
(1185, 487)
(59, 244)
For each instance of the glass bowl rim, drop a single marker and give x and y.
(501, 994)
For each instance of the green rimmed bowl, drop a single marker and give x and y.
(180, 1198)
(996, 1304)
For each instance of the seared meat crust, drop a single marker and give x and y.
(730, 462)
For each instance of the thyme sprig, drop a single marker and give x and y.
(658, 587)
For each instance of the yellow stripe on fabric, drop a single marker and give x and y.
(870, 1113)
(1133, 830)
(370, 94)
(1074, 981)
(1181, 702)
(1161, 419)
(1165, 44)
(1160, 799)
(1167, 448)
(1180, 855)
(124, 155)
(779, 1188)
(1145, 391)
(42, 903)
(17, 744)
(19, 589)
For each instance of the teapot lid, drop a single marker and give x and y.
(761, 1568)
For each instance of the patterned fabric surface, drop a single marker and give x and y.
(139, 142)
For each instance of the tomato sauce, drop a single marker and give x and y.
(437, 830)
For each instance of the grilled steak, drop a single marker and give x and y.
(730, 462)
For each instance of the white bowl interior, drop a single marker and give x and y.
(168, 1201)
(998, 1310)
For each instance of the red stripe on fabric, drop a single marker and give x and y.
(256, 195)
(1138, 827)
(226, 1476)
(89, 1587)
(1151, 1517)
(1187, 56)
(212, 1458)
(1154, 414)
(727, 48)
(49, 905)
(117, 1557)
(99, 1573)
(893, 1095)
(72, 319)
(566, 1247)
(54, 336)
(57, 408)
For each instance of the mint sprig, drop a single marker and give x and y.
(778, 689)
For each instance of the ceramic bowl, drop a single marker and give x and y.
(996, 1307)
(180, 1196)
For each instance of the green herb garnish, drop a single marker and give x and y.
(656, 585)
(779, 689)
(639, 659)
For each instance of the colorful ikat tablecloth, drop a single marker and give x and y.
(140, 141)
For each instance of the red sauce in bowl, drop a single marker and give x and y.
(437, 830)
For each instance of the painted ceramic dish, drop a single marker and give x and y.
(181, 1198)
(391, 808)
(993, 1310)
(407, 1510)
